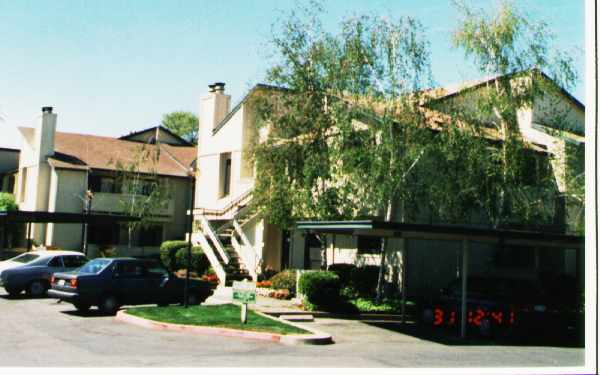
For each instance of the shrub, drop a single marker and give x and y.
(321, 289)
(8, 202)
(344, 271)
(168, 249)
(285, 280)
(364, 280)
(267, 274)
(199, 261)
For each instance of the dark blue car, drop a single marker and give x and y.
(110, 283)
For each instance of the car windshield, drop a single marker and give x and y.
(25, 258)
(94, 266)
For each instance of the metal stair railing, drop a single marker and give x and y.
(212, 258)
(233, 204)
(207, 229)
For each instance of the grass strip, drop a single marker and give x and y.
(223, 316)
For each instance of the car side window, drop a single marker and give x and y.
(130, 270)
(55, 262)
(156, 270)
(74, 261)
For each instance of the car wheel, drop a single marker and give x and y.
(485, 328)
(82, 307)
(37, 288)
(427, 316)
(193, 299)
(109, 305)
(12, 292)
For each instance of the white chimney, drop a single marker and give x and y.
(213, 108)
(44, 135)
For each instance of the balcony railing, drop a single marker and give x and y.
(114, 202)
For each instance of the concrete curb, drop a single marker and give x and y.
(316, 338)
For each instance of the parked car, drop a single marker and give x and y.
(499, 306)
(110, 283)
(32, 271)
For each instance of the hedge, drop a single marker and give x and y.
(173, 254)
(285, 280)
(168, 249)
(321, 289)
(8, 202)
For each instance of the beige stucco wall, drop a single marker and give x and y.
(67, 190)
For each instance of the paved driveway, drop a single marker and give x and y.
(43, 333)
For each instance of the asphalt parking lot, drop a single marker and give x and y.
(41, 332)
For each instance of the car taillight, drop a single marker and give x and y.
(73, 283)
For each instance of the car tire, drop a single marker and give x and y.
(37, 289)
(193, 299)
(109, 305)
(485, 329)
(82, 307)
(12, 292)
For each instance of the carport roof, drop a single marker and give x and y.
(442, 232)
(61, 217)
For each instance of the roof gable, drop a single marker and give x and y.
(151, 135)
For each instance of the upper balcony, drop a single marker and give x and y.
(115, 203)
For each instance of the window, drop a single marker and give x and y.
(103, 234)
(368, 245)
(102, 184)
(225, 174)
(155, 269)
(130, 269)
(95, 266)
(55, 262)
(74, 261)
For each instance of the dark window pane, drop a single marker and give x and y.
(369, 245)
(55, 262)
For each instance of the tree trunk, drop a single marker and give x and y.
(389, 217)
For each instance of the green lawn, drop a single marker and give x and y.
(225, 316)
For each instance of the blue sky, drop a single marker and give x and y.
(110, 67)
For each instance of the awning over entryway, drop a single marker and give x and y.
(443, 232)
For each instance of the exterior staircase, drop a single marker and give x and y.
(220, 234)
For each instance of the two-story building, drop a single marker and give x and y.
(56, 169)
(235, 237)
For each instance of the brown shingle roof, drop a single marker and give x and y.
(81, 151)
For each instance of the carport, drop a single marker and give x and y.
(30, 217)
(464, 234)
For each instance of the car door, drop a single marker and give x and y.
(159, 284)
(131, 283)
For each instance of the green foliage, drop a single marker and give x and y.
(317, 161)
(507, 44)
(199, 261)
(8, 202)
(168, 249)
(144, 194)
(344, 272)
(321, 289)
(227, 316)
(184, 124)
(173, 255)
(285, 280)
(388, 305)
